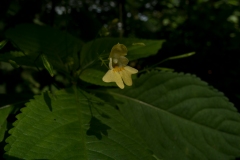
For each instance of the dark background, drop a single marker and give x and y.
(208, 27)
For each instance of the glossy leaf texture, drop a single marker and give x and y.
(73, 125)
(180, 116)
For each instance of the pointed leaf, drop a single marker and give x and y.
(47, 65)
(4, 112)
(102, 46)
(69, 131)
(3, 43)
(181, 117)
(91, 52)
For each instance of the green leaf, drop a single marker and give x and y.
(13, 63)
(181, 117)
(47, 65)
(8, 105)
(101, 48)
(181, 56)
(4, 112)
(64, 128)
(94, 76)
(3, 43)
(33, 40)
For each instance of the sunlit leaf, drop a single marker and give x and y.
(78, 126)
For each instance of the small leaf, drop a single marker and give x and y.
(3, 43)
(13, 63)
(182, 56)
(164, 69)
(47, 65)
(139, 44)
(91, 50)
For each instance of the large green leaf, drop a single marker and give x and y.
(94, 76)
(181, 117)
(9, 105)
(32, 40)
(91, 52)
(4, 112)
(61, 126)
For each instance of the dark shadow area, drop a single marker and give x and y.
(97, 128)
(7, 157)
(47, 100)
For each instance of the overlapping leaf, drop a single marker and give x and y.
(137, 48)
(8, 105)
(70, 126)
(32, 41)
(181, 117)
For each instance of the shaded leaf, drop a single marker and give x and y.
(3, 43)
(93, 72)
(13, 63)
(94, 75)
(97, 128)
(181, 117)
(102, 46)
(4, 112)
(47, 65)
(31, 40)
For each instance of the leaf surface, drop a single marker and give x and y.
(63, 128)
(181, 117)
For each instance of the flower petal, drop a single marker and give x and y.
(118, 50)
(126, 76)
(108, 77)
(118, 79)
(131, 70)
(112, 76)
(122, 61)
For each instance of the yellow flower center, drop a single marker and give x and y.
(118, 69)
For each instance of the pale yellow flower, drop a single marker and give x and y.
(119, 74)
(118, 71)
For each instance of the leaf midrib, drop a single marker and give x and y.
(159, 109)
